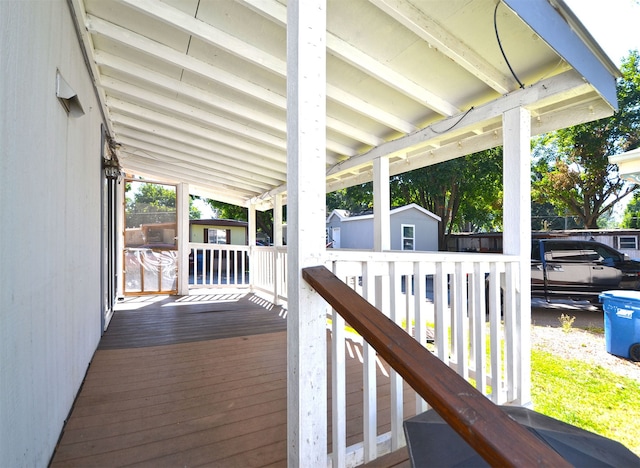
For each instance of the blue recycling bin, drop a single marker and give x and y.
(622, 323)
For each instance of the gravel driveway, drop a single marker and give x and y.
(583, 341)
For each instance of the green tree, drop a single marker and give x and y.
(466, 193)
(153, 203)
(575, 174)
(631, 217)
(356, 199)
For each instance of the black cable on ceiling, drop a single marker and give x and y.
(495, 27)
(454, 124)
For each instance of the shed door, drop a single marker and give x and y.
(335, 235)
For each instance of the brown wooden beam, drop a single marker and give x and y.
(496, 437)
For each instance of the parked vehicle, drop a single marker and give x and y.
(578, 269)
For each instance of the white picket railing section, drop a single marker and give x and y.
(269, 272)
(218, 265)
(468, 302)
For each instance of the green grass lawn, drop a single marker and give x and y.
(587, 396)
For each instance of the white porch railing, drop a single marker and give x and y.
(218, 265)
(269, 272)
(468, 302)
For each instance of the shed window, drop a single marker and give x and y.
(408, 237)
(217, 236)
(628, 242)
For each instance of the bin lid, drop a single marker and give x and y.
(620, 294)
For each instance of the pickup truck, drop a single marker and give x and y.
(578, 269)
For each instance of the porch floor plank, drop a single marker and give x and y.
(197, 382)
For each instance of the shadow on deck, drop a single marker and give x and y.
(195, 380)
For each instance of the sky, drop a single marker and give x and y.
(614, 24)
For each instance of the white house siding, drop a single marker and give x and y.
(50, 182)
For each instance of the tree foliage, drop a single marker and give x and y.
(631, 217)
(572, 170)
(153, 203)
(466, 193)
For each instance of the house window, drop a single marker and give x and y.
(408, 237)
(217, 236)
(628, 242)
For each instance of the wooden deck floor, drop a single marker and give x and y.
(194, 381)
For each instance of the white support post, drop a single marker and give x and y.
(517, 234)
(381, 224)
(277, 221)
(251, 221)
(182, 234)
(306, 158)
(381, 205)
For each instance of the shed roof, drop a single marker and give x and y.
(345, 215)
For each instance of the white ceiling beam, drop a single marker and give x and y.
(153, 116)
(369, 110)
(153, 101)
(140, 162)
(208, 33)
(127, 126)
(364, 62)
(190, 25)
(277, 12)
(130, 69)
(249, 168)
(589, 110)
(568, 82)
(180, 88)
(204, 176)
(200, 165)
(122, 109)
(167, 54)
(439, 38)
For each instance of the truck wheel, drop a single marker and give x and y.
(634, 352)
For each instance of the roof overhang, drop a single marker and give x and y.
(195, 92)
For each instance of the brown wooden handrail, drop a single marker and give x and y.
(496, 437)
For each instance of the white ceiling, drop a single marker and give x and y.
(195, 90)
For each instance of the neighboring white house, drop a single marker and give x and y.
(412, 228)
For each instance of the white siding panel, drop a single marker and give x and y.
(50, 230)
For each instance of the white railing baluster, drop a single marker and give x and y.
(420, 325)
(460, 323)
(338, 387)
(369, 416)
(480, 335)
(396, 382)
(509, 330)
(495, 311)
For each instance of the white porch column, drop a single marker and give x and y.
(277, 220)
(182, 205)
(251, 228)
(517, 232)
(306, 160)
(381, 205)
